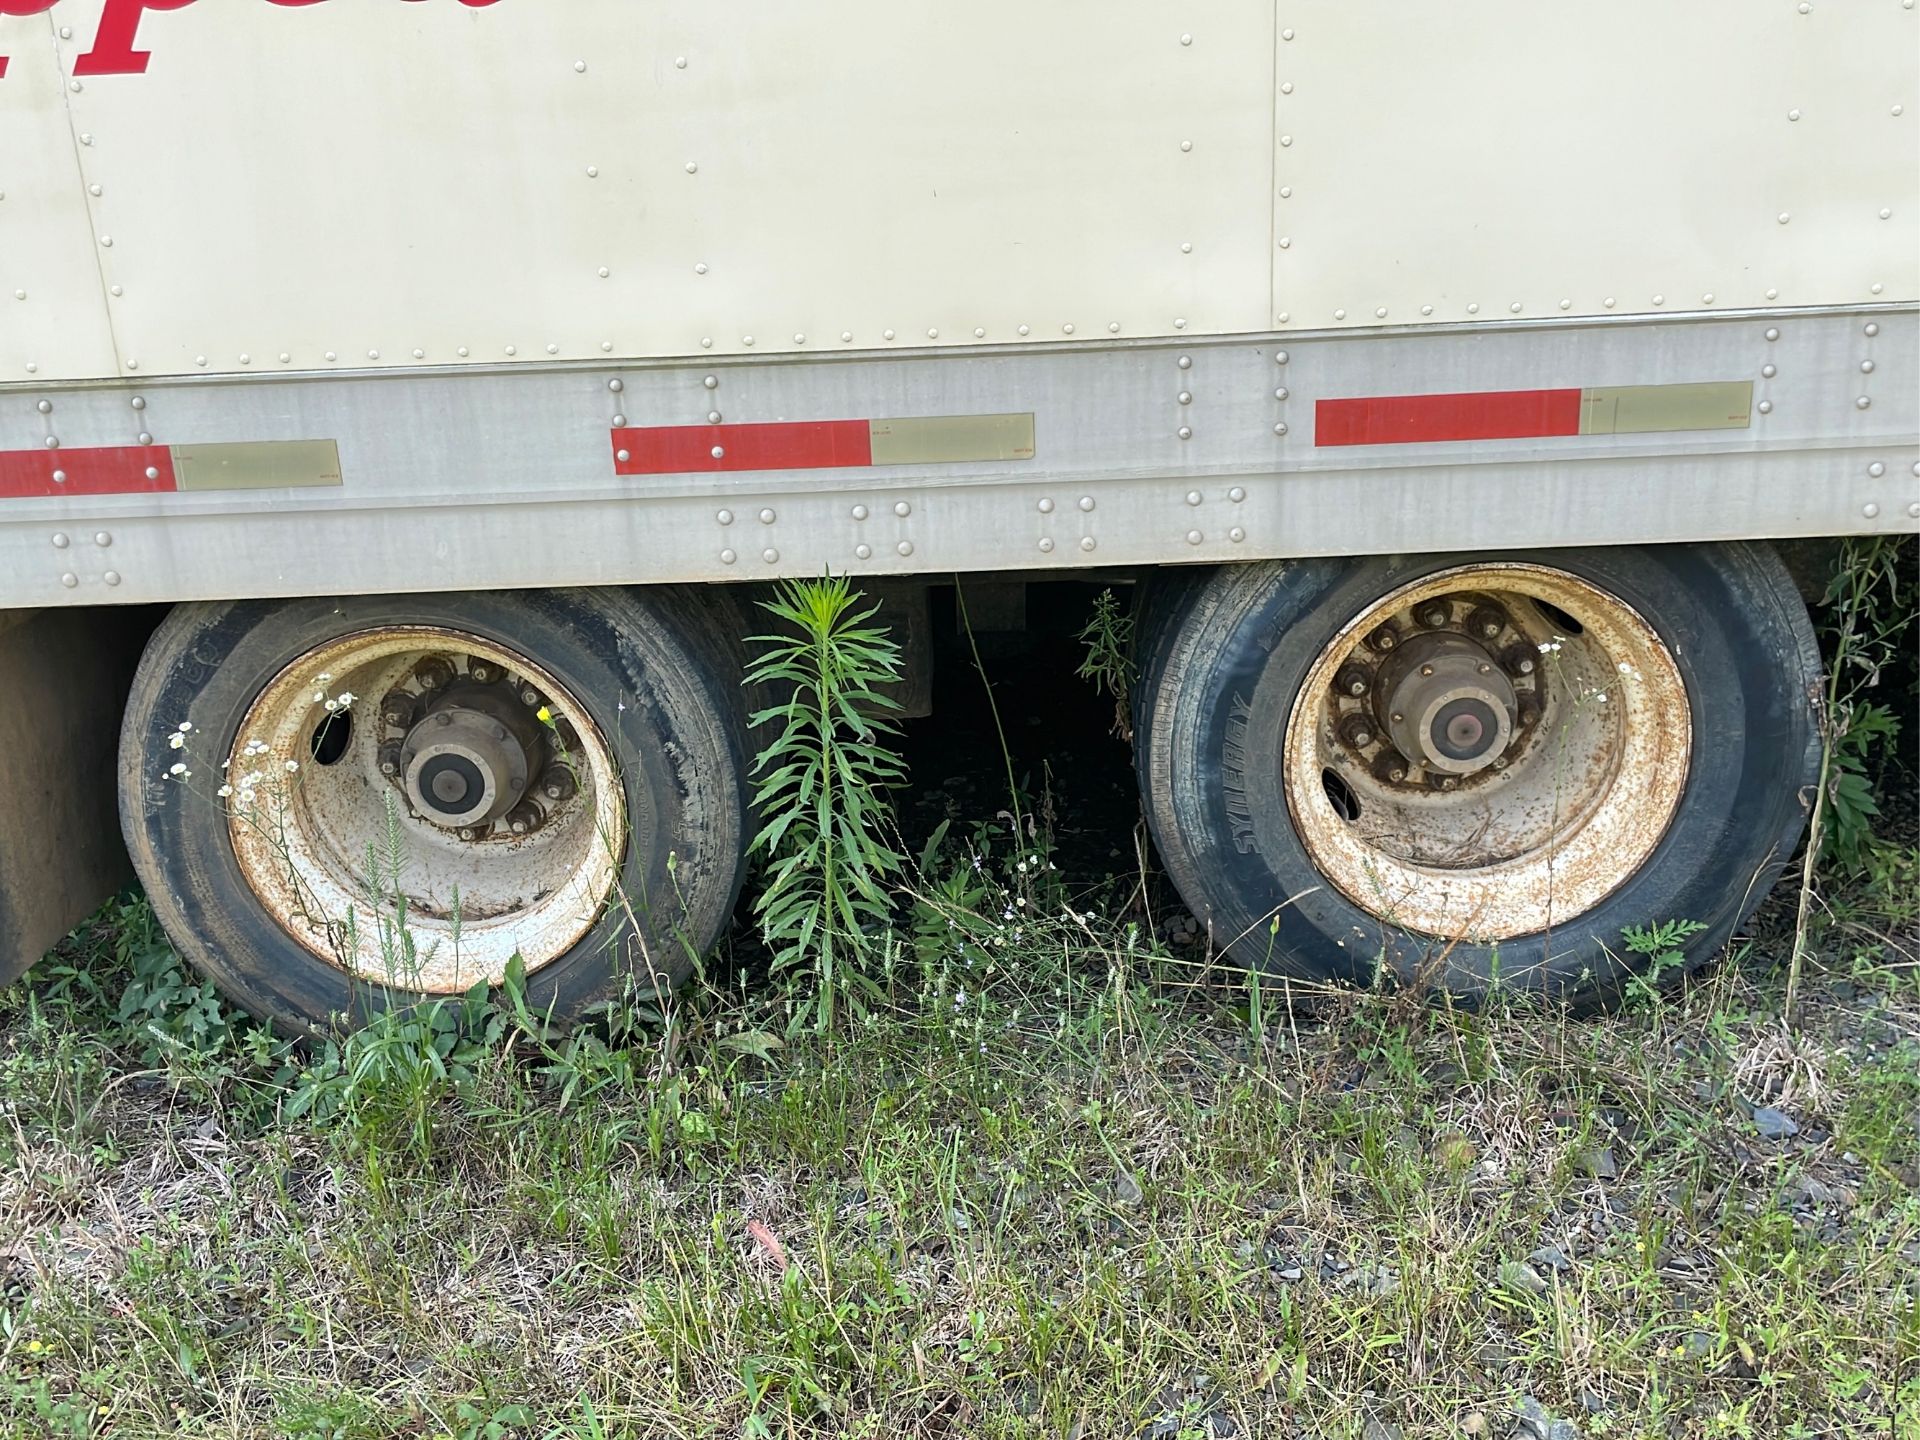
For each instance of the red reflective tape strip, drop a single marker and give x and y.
(99, 470)
(794, 445)
(1415, 419)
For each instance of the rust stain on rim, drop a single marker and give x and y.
(1535, 846)
(471, 906)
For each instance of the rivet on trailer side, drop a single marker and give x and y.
(514, 373)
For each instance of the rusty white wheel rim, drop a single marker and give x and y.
(301, 829)
(1547, 818)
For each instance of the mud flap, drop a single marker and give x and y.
(64, 676)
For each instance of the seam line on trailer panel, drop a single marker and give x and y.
(86, 201)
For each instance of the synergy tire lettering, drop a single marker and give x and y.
(1233, 774)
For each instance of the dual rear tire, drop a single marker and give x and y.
(1460, 772)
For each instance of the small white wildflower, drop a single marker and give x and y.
(226, 764)
(1022, 867)
(177, 742)
(347, 697)
(959, 999)
(292, 765)
(185, 726)
(178, 769)
(323, 678)
(1600, 696)
(319, 697)
(1625, 668)
(1021, 901)
(246, 797)
(332, 705)
(224, 791)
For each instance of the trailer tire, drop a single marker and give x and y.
(638, 714)
(1727, 742)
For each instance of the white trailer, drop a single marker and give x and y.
(458, 356)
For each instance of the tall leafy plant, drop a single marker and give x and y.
(821, 788)
(1869, 615)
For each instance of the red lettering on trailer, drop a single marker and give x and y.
(22, 7)
(113, 51)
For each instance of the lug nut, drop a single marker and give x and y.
(433, 672)
(1521, 659)
(1353, 680)
(391, 762)
(1444, 782)
(524, 817)
(1529, 712)
(1434, 614)
(558, 783)
(1390, 767)
(1357, 731)
(483, 671)
(1383, 639)
(1487, 621)
(398, 709)
(467, 832)
(529, 696)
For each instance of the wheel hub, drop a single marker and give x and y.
(464, 768)
(1443, 701)
(1444, 694)
(470, 758)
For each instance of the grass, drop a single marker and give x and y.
(1078, 1195)
(1052, 1177)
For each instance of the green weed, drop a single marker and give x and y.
(821, 786)
(1867, 621)
(1109, 664)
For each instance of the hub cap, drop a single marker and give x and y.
(1487, 753)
